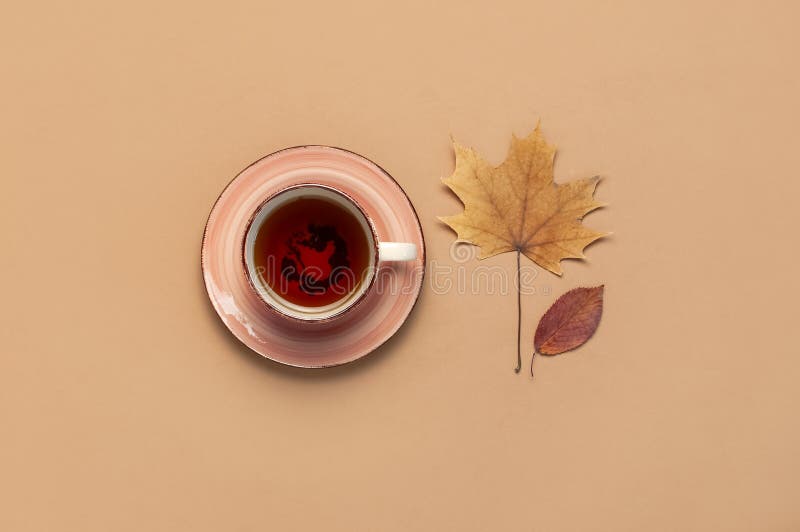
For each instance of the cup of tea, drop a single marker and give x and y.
(312, 253)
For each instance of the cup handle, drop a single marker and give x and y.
(396, 251)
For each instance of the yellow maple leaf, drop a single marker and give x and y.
(518, 207)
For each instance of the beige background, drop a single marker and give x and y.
(125, 404)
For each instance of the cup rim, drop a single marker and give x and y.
(372, 274)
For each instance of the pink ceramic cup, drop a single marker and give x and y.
(379, 252)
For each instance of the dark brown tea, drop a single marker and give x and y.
(312, 251)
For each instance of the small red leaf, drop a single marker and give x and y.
(571, 321)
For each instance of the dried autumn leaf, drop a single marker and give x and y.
(570, 322)
(518, 207)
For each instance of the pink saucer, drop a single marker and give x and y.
(360, 330)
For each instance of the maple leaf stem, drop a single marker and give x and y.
(519, 316)
(532, 357)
